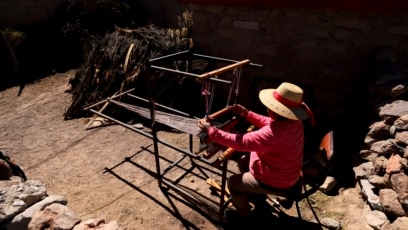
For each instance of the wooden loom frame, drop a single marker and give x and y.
(221, 163)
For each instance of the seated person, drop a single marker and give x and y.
(274, 162)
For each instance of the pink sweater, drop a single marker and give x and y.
(276, 148)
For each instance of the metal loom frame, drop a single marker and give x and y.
(212, 76)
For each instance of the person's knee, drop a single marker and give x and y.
(243, 163)
(233, 182)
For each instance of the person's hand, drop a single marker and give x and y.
(204, 125)
(240, 110)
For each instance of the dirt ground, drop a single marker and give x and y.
(110, 172)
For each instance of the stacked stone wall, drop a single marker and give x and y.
(328, 52)
(27, 12)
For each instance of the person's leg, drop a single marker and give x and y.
(239, 193)
(240, 185)
(243, 165)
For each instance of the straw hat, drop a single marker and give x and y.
(286, 100)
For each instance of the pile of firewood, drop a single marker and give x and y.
(118, 62)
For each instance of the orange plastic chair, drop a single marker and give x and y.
(314, 173)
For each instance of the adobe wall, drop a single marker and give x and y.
(328, 52)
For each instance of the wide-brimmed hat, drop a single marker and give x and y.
(286, 100)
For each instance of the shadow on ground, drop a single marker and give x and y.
(268, 218)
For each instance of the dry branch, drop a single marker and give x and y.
(113, 66)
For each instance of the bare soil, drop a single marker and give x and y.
(110, 171)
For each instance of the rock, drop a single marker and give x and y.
(97, 224)
(402, 137)
(90, 224)
(138, 126)
(393, 130)
(376, 219)
(394, 165)
(364, 170)
(331, 223)
(400, 223)
(401, 123)
(379, 130)
(399, 183)
(377, 181)
(20, 196)
(4, 184)
(380, 165)
(368, 155)
(54, 216)
(391, 112)
(21, 220)
(328, 184)
(390, 203)
(390, 85)
(385, 147)
(372, 199)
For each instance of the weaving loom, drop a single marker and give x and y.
(215, 153)
(208, 152)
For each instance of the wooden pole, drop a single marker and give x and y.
(100, 110)
(228, 152)
(222, 70)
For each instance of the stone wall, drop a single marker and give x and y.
(26, 205)
(27, 12)
(163, 12)
(31, 12)
(383, 176)
(328, 52)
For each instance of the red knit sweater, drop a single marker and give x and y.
(276, 148)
